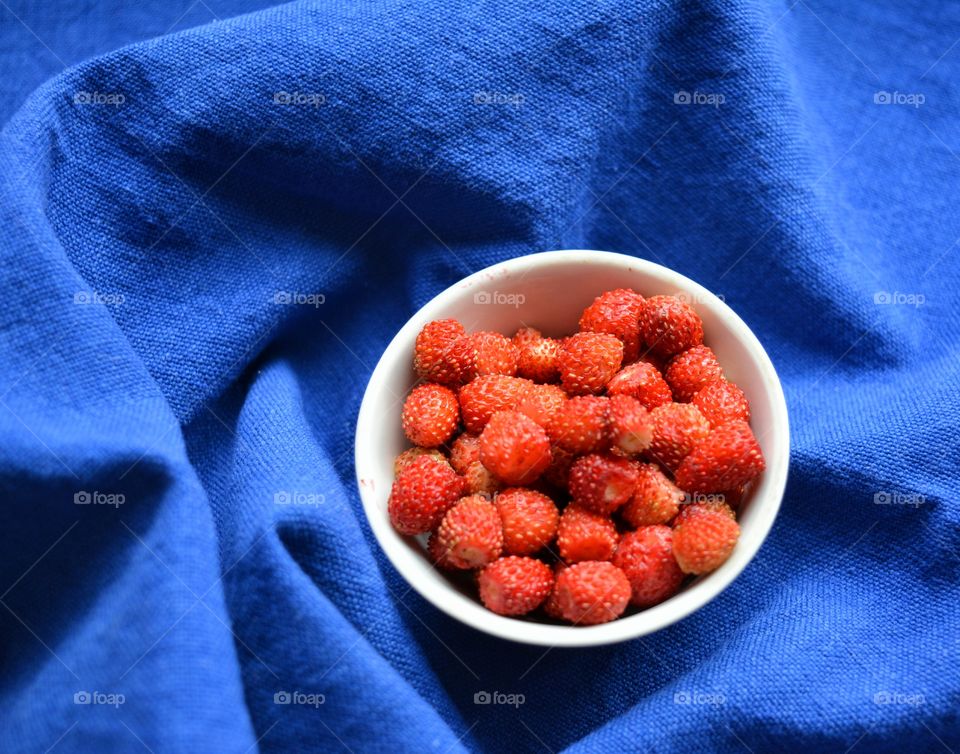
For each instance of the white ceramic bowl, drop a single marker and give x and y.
(549, 291)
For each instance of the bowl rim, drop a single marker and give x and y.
(471, 612)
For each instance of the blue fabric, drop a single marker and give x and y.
(161, 201)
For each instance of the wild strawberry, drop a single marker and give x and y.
(437, 553)
(464, 451)
(515, 586)
(550, 606)
(526, 335)
(646, 558)
(431, 352)
(540, 403)
(721, 401)
(592, 592)
(584, 535)
(669, 325)
(655, 500)
(631, 428)
(727, 458)
(558, 472)
(616, 313)
(485, 352)
(421, 494)
(699, 503)
(529, 520)
(588, 361)
(479, 480)
(411, 454)
(702, 542)
(485, 395)
(581, 424)
(642, 381)
(539, 360)
(602, 483)
(470, 533)
(690, 370)
(431, 414)
(677, 428)
(514, 448)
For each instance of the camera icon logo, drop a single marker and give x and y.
(681, 697)
(882, 98)
(82, 697)
(482, 297)
(81, 498)
(281, 498)
(282, 697)
(881, 498)
(682, 97)
(482, 697)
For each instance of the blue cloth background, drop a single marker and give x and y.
(178, 215)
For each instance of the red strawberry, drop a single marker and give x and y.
(646, 558)
(677, 429)
(526, 335)
(550, 606)
(485, 395)
(588, 361)
(592, 592)
(464, 451)
(421, 494)
(470, 533)
(727, 458)
(669, 325)
(529, 520)
(431, 414)
(691, 370)
(515, 586)
(702, 542)
(722, 401)
(479, 480)
(656, 499)
(642, 381)
(700, 503)
(411, 454)
(540, 403)
(616, 313)
(631, 428)
(483, 353)
(540, 360)
(431, 352)
(602, 483)
(514, 448)
(558, 472)
(581, 424)
(584, 535)
(438, 553)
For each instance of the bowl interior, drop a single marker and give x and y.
(549, 291)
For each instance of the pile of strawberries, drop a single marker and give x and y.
(576, 475)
